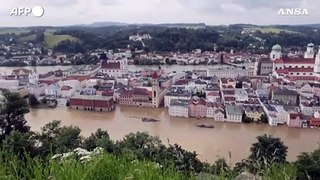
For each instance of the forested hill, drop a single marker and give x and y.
(240, 37)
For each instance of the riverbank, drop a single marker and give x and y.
(208, 143)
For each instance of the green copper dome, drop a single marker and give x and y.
(276, 47)
(310, 45)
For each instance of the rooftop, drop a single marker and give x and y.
(85, 97)
(179, 102)
(233, 110)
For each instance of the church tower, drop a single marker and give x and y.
(33, 76)
(155, 90)
(310, 51)
(317, 64)
(275, 52)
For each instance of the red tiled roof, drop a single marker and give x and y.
(107, 93)
(155, 75)
(314, 122)
(46, 75)
(181, 82)
(228, 98)
(199, 101)
(301, 70)
(48, 82)
(307, 78)
(213, 94)
(287, 70)
(294, 115)
(295, 61)
(282, 71)
(111, 65)
(66, 88)
(79, 78)
(136, 91)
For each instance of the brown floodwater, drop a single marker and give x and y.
(208, 143)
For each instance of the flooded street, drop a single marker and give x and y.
(208, 143)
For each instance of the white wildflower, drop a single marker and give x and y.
(66, 155)
(56, 156)
(98, 150)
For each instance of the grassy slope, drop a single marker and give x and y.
(16, 31)
(107, 167)
(52, 40)
(269, 29)
(27, 38)
(113, 167)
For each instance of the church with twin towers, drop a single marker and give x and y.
(293, 67)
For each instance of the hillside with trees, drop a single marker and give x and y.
(240, 37)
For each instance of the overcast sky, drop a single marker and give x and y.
(212, 12)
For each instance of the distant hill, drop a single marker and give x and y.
(311, 25)
(107, 23)
(169, 25)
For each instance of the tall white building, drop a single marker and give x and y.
(317, 64)
(310, 51)
(276, 52)
(179, 108)
(33, 77)
(115, 67)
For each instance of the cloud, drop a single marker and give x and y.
(62, 12)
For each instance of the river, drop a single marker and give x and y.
(208, 143)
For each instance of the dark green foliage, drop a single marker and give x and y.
(19, 143)
(56, 139)
(68, 103)
(33, 101)
(68, 46)
(308, 165)
(99, 139)
(44, 100)
(264, 118)
(268, 149)
(245, 118)
(12, 114)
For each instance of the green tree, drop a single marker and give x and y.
(264, 118)
(99, 139)
(245, 118)
(142, 144)
(12, 113)
(56, 139)
(220, 166)
(268, 150)
(33, 101)
(44, 100)
(308, 165)
(19, 143)
(68, 103)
